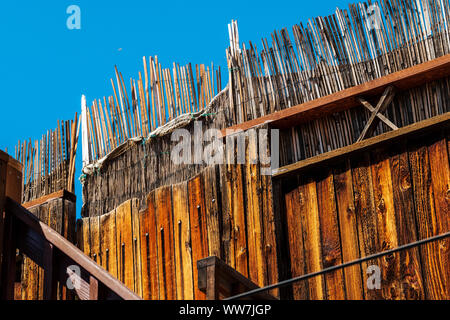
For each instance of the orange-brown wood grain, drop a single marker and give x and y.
(391, 285)
(124, 239)
(440, 180)
(366, 219)
(296, 246)
(311, 237)
(348, 230)
(199, 234)
(182, 237)
(403, 198)
(108, 241)
(164, 223)
(433, 275)
(329, 230)
(137, 263)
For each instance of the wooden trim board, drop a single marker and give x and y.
(391, 136)
(348, 98)
(61, 194)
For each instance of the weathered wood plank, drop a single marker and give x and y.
(440, 180)
(296, 245)
(329, 230)
(311, 237)
(366, 218)
(149, 253)
(94, 228)
(256, 265)
(164, 220)
(411, 270)
(269, 216)
(108, 241)
(183, 248)
(391, 285)
(433, 275)
(136, 248)
(199, 235)
(239, 232)
(209, 177)
(348, 230)
(125, 244)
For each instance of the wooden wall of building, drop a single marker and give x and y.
(367, 204)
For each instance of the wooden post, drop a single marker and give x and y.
(10, 186)
(50, 280)
(8, 274)
(93, 288)
(218, 280)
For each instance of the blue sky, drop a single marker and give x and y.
(45, 67)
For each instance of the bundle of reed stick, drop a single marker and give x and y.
(332, 53)
(157, 96)
(49, 163)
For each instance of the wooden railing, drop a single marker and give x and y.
(59, 258)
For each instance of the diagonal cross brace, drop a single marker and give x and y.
(377, 115)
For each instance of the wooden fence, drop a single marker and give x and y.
(226, 211)
(368, 203)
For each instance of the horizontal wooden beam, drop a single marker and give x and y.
(385, 138)
(61, 194)
(348, 98)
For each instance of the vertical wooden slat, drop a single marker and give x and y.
(366, 218)
(125, 244)
(311, 237)
(164, 223)
(86, 236)
(209, 177)
(199, 236)
(94, 229)
(411, 270)
(136, 247)
(269, 216)
(227, 236)
(329, 230)
(348, 230)
(440, 180)
(256, 265)
(145, 254)
(108, 240)
(296, 245)
(433, 275)
(182, 237)
(155, 255)
(391, 276)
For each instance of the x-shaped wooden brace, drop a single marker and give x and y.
(377, 113)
